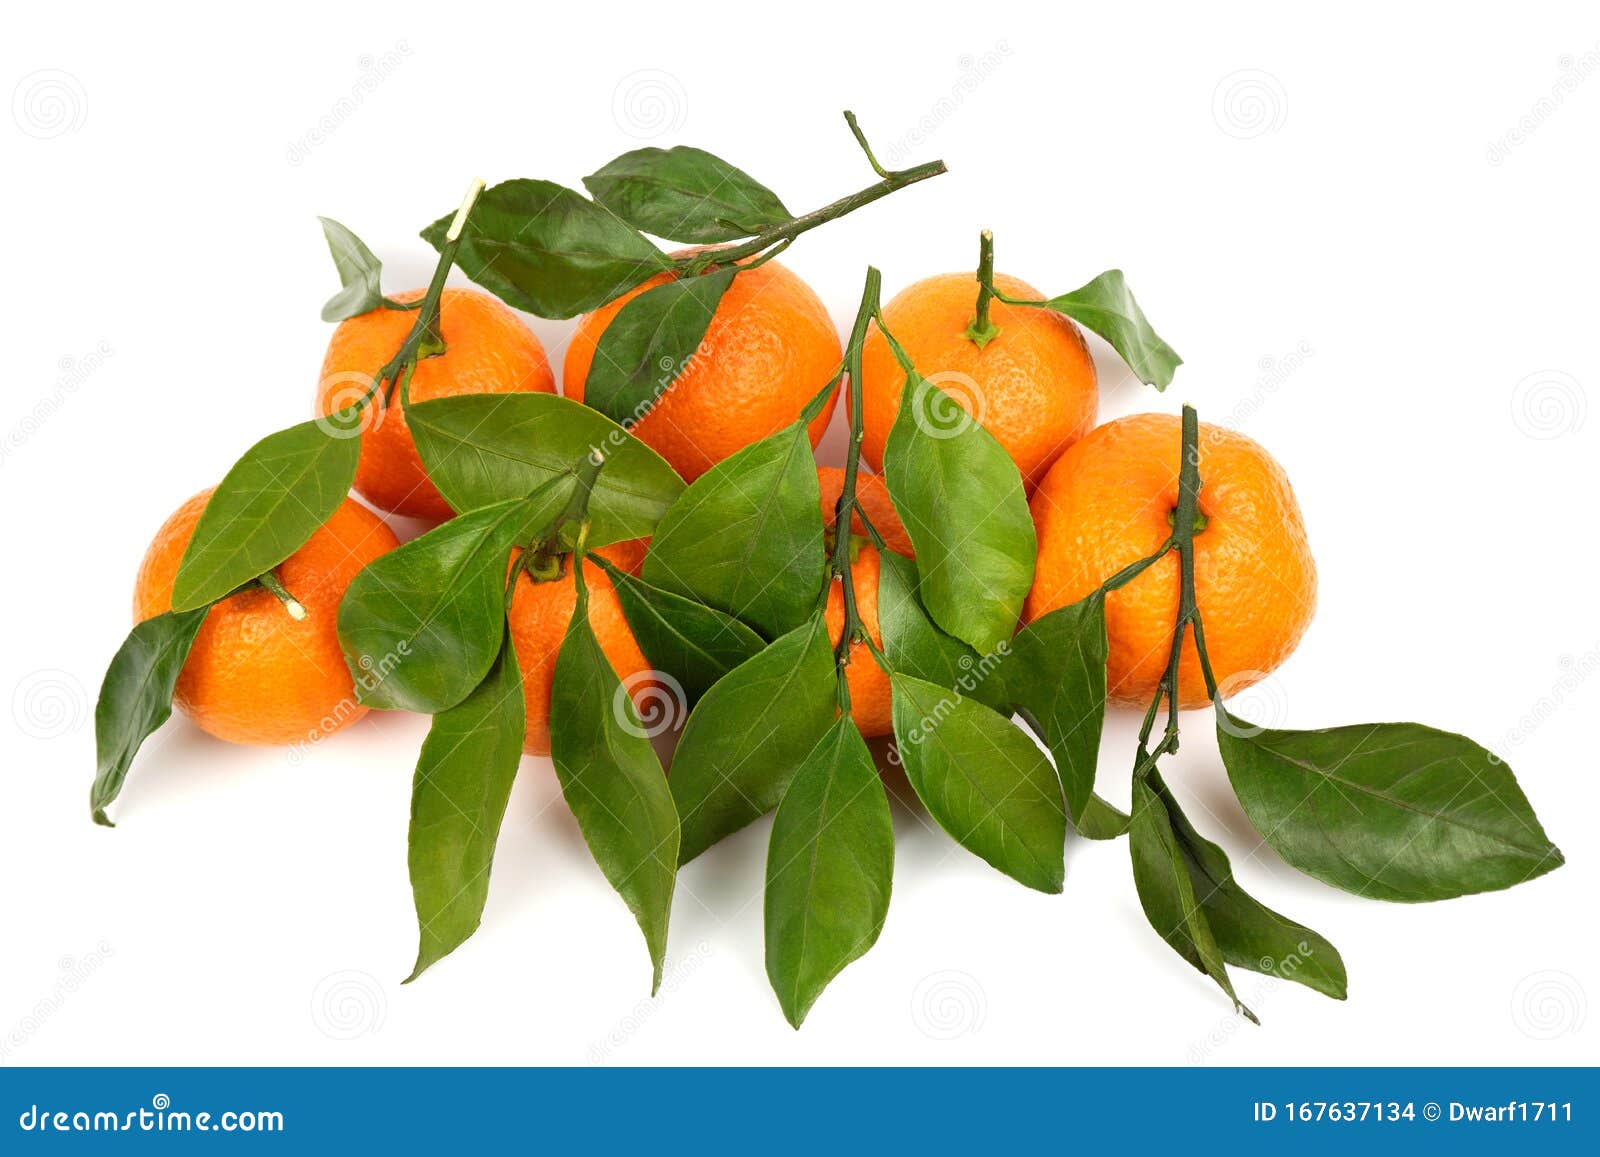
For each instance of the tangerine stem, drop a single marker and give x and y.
(854, 629)
(892, 181)
(272, 583)
(980, 330)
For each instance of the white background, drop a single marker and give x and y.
(1370, 234)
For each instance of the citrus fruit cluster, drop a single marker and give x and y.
(655, 551)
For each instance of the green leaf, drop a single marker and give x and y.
(547, 250)
(613, 781)
(421, 624)
(916, 646)
(983, 780)
(830, 865)
(1248, 933)
(486, 448)
(754, 727)
(1106, 306)
(650, 341)
(1056, 673)
(961, 499)
(1391, 811)
(136, 698)
(1166, 890)
(696, 643)
(746, 536)
(359, 273)
(686, 194)
(275, 497)
(458, 800)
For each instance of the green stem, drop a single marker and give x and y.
(981, 331)
(1186, 523)
(544, 556)
(855, 630)
(892, 181)
(272, 583)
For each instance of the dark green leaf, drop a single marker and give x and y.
(1166, 890)
(696, 643)
(1106, 306)
(685, 194)
(546, 250)
(1056, 673)
(1248, 933)
(458, 799)
(136, 698)
(830, 864)
(916, 646)
(746, 536)
(747, 736)
(983, 780)
(613, 781)
(1391, 811)
(421, 625)
(961, 499)
(359, 273)
(275, 497)
(485, 448)
(649, 342)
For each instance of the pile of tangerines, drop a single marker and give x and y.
(1166, 567)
